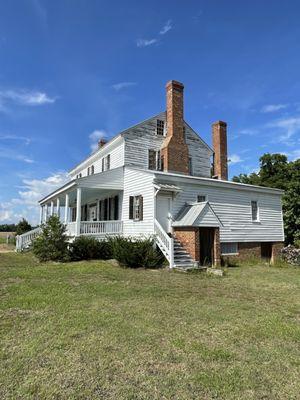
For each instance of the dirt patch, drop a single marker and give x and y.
(6, 248)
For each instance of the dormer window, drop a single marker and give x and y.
(160, 127)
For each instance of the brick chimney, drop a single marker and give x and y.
(174, 150)
(219, 138)
(101, 143)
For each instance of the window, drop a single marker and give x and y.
(190, 166)
(201, 198)
(160, 127)
(154, 160)
(92, 170)
(254, 210)
(229, 248)
(79, 175)
(136, 208)
(106, 163)
(88, 170)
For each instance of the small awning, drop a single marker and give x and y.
(197, 214)
(166, 187)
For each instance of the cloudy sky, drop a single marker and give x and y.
(74, 71)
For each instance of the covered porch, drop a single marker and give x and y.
(88, 206)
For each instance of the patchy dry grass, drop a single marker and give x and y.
(92, 330)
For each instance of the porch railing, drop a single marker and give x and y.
(23, 241)
(71, 228)
(165, 242)
(101, 227)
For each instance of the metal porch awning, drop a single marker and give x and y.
(197, 215)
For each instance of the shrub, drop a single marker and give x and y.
(23, 226)
(87, 248)
(140, 253)
(51, 244)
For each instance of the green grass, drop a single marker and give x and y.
(91, 330)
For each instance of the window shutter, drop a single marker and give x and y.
(131, 200)
(102, 164)
(116, 216)
(108, 162)
(152, 159)
(141, 208)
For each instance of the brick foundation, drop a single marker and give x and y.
(190, 240)
(253, 250)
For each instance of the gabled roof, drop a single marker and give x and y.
(197, 214)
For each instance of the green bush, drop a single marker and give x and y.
(51, 244)
(140, 253)
(88, 248)
(22, 227)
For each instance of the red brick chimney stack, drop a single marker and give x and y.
(174, 150)
(219, 137)
(101, 143)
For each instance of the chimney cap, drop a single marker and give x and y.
(222, 123)
(176, 84)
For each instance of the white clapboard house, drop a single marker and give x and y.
(159, 178)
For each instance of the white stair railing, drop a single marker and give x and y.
(23, 241)
(164, 242)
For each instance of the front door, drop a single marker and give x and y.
(163, 204)
(206, 246)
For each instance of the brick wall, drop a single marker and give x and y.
(276, 248)
(190, 240)
(252, 250)
(174, 151)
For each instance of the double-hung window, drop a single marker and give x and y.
(136, 208)
(154, 160)
(106, 163)
(160, 127)
(254, 211)
(201, 198)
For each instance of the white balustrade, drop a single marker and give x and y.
(24, 241)
(165, 242)
(101, 227)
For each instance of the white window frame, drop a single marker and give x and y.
(257, 211)
(234, 252)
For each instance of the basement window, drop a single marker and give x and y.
(160, 127)
(254, 211)
(229, 249)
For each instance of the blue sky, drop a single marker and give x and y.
(70, 68)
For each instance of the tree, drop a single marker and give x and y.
(275, 171)
(23, 226)
(51, 244)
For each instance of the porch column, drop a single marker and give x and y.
(66, 208)
(41, 215)
(78, 211)
(51, 208)
(46, 213)
(58, 207)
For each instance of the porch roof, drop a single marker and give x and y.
(107, 180)
(197, 214)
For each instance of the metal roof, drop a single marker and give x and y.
(167, 187)
(197, 214)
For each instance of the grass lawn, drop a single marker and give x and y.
(91, 330)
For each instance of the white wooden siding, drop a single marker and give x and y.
(138, 183)
(116, 159)
(199, 152)
(233, 208)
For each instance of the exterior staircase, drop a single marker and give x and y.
(182, 259)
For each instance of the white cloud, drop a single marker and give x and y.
(24, 97)
(25, 139)
(123, 85)
(166, 27)
(145, 42)
(12, 155)
(234, 159)
(94, 137)
(287, 127)
(269, 108)
(293, 155)
(31, 191)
